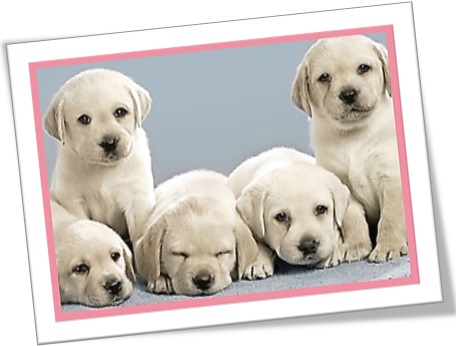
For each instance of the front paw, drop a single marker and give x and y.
(334, 260)
(357, 252)
(387, 252)
(162, 285)
(258, 270)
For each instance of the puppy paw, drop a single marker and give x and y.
(352, 253)
(334, 260)
(383, 253)
(163, 285)
(258, 270)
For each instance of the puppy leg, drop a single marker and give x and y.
(263, 266)
(163, 285)
(356, 244)
(137, 212)
(391, 236)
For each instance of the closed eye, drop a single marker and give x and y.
(182, 254)
(221, 253)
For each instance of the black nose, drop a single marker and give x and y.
(203, 280)
(109, 144)
(348, 96)
(113, 286)
(308, 246)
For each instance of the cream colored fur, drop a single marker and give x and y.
(356, 139)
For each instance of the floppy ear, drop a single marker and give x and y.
(127, 255)
(142, 102)
(340, 195)
(147, 251)
(54, 121)
(300, 88)
(383, 56)
(250, 206)
(246, 246)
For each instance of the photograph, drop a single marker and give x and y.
(220, 172)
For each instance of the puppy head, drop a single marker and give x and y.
(94, 265)
(96, 114)
(342, 78)
(199, 244)
(296, 210)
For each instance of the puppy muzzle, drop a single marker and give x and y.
(109, 144)
(203, 280)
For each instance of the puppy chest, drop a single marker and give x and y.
(353, 168)
(104, 209)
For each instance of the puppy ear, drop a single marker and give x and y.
(127, 255)
(300, 89)
(250, 206)
(142, 102)
(54, 121)
(246, 246)
(147, 251)
(383, 56)
(340, 195)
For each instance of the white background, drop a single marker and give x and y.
(22, 22)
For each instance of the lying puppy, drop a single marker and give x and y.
(196, 243)
(103, 169)
(94, 264)
(343, 84)
(297, 210)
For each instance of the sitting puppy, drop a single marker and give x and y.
(196, 243)
(343, 84)
(103, 169)
(296, 210)
(94, 265)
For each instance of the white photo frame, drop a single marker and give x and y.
(26, 60)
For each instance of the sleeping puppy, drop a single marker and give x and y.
(343, 84)
(103, 169)
(94, 265)
(296, 210)
(196, 243)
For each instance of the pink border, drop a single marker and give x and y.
(208, 301)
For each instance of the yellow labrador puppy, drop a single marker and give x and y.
(296, 210)
(94, 264)
(196, 243)
(103, 170)
(343, 84)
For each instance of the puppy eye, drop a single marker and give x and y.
(281, 217)
(115, 256)
(325, 78)
(363, 68)
(120, 112)
(181, 254)
(320, 209)
(81, 269)
(84, 119)
(221, 253)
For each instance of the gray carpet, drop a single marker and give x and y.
(286, 277)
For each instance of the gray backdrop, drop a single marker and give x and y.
(210, 109)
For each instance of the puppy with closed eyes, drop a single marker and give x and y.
(196, 243)
(103, 170)
(344, 85)
(296, 210)
(94, 265)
